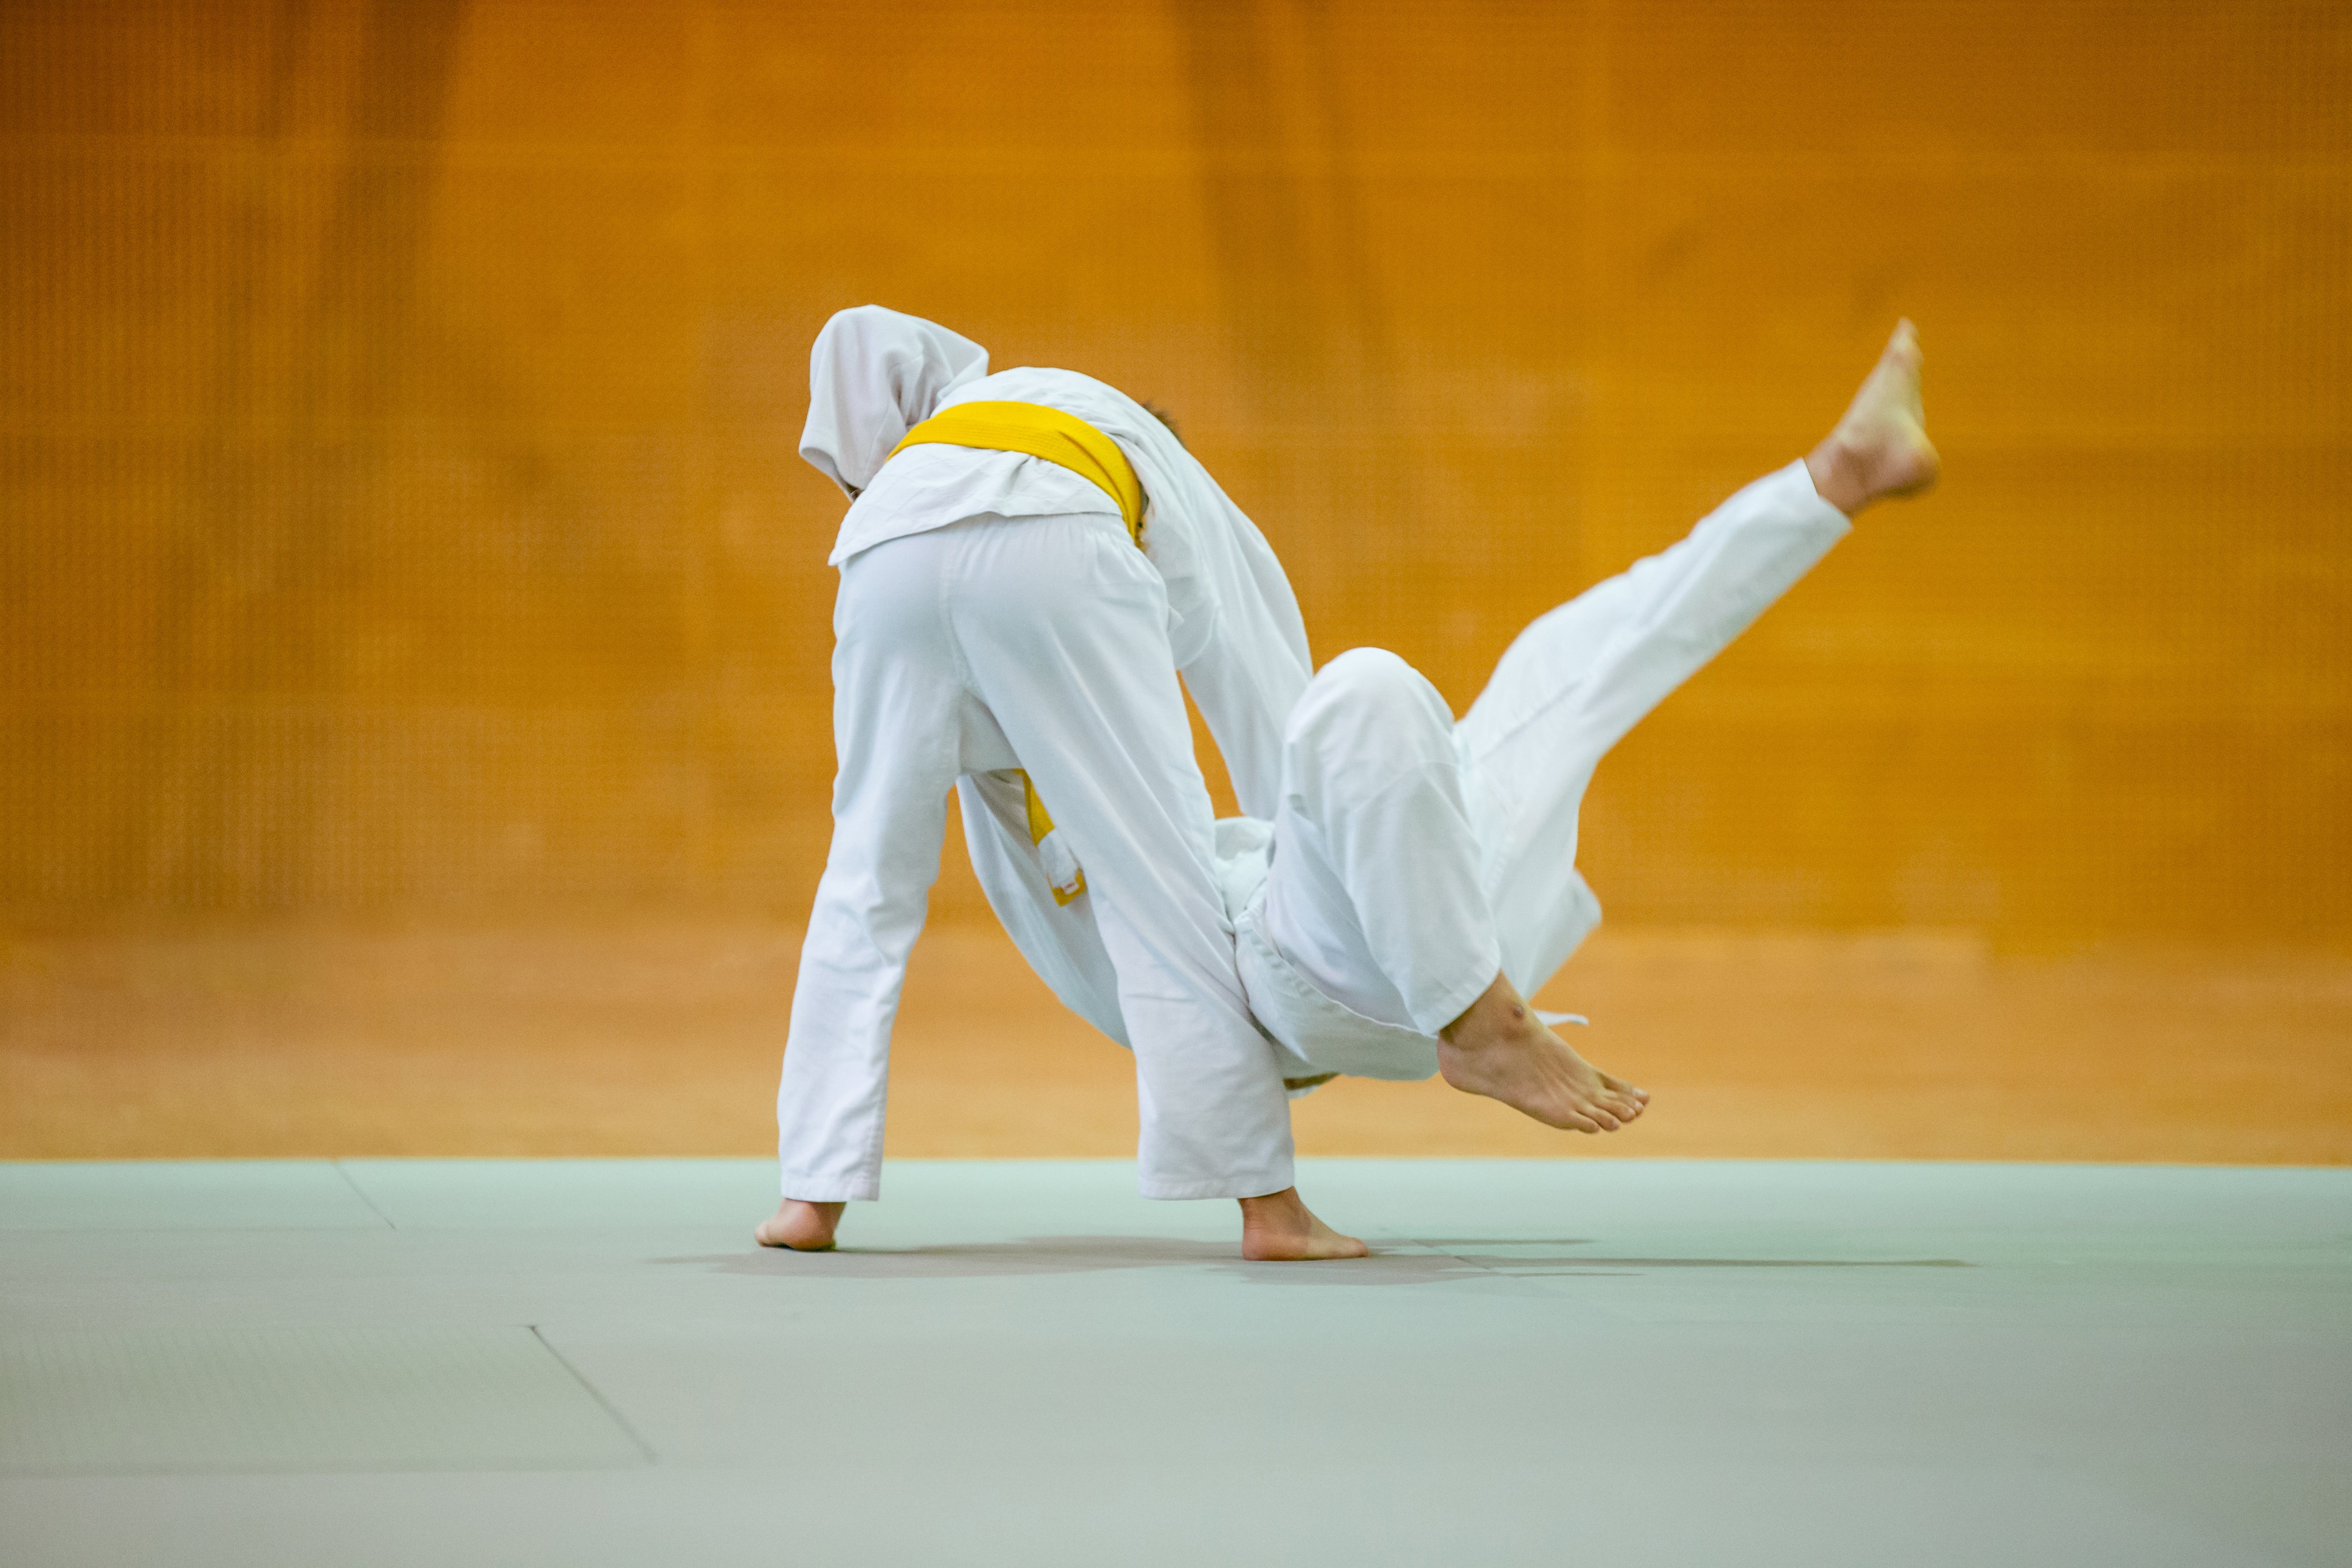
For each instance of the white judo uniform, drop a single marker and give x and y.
(1412, 858)
(995, 615)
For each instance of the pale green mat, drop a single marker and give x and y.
(298, 1399)
(387, 1362)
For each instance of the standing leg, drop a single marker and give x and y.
(896, 699)
(1062, 626)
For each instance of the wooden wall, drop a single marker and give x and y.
(399, 402)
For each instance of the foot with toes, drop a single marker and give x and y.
(1281, 1228)
(1879, 449)
(1501, 1049)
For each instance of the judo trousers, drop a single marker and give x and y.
(1415, 858)
(1037, 643)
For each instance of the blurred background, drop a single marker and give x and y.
(413, 706)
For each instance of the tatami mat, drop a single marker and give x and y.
(298, 1399)
(1699, 1363)
(157, 1194)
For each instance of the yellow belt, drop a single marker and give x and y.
(1063, 439)
(1040, 432)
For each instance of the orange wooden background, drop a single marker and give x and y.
(400, 402)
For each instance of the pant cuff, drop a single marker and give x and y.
(836, 1189)
(1798, 478)
(1259, 1184)
(1451, 1004)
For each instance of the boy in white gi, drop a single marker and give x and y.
(999, 631)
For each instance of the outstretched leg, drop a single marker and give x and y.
(1580, 677)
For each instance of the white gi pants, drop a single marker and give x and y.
(1037, 643)
(1414, 859)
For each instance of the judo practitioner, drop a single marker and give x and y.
(1418, 881)
(1028, 560)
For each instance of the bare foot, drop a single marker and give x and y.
(1501, 1049)
(801, 1226)
(1881, 447)
(1281, 1228)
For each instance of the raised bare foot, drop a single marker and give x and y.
(1281, 1228)
(1501, 1049)
(801, 1226)
(1881, 447)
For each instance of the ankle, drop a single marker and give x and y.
(1836, 475)
(1475, 1037)
(1500, 1019)
(1284, 1207)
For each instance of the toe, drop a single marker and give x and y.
(1618, 1103)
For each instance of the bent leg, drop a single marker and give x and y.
(1373, 894)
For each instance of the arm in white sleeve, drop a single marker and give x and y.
(1246, 688)
(1248, 665)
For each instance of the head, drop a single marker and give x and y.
(873, 374)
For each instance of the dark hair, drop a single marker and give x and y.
(1165, 418)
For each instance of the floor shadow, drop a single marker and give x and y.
(974, 1260)
(1406, 1261)
(1396, 1266)
(1635, 1264)
(1460, 1246)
